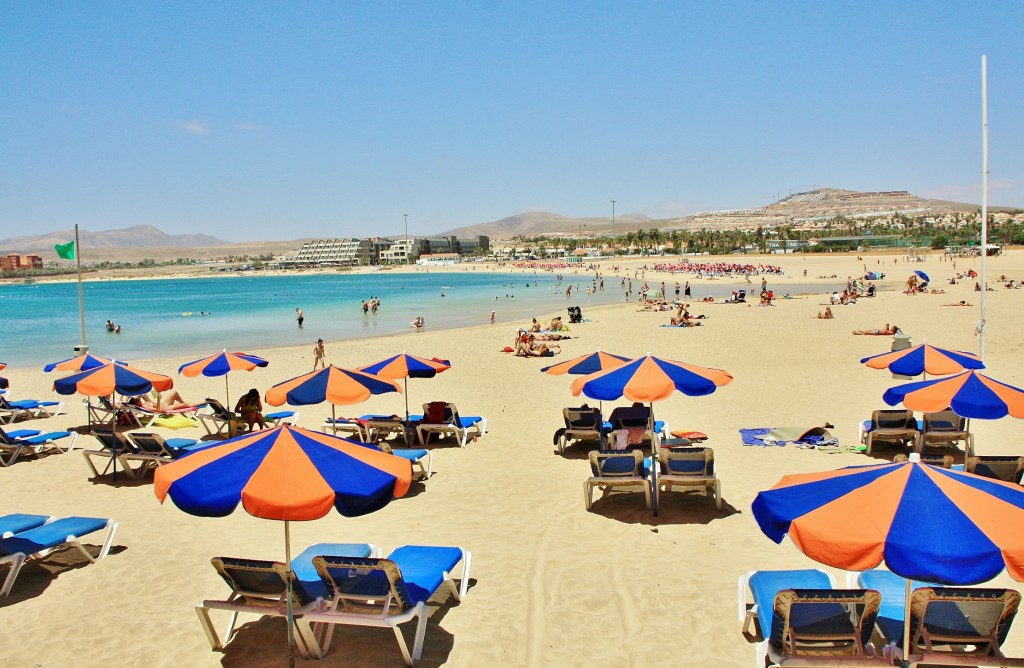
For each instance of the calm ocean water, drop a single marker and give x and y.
(247, 311)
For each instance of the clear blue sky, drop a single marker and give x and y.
(259, 120)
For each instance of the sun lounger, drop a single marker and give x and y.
(260, 587)
(443, 418)
(581, 424)
(421, 458)
(892, 425)
(18, 522)
(764, 585)
(380, 427)
(40, 541)
(616, 470)
(942, 461)
(12, 410)
(147, 416)
(997, 467)
(352, 426)
(636, 418)
(822, 627)
(385, 593)
(893, 589)
(953, 626)
(688, 468)
(945, 428)
(217, 420)
(282, 417)
(31, 442)
(110, 440)
(151, 450)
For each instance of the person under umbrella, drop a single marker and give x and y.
(222, 364)
(406, 366)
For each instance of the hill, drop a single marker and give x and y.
(535, 223)
(138, 236)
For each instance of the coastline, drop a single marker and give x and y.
(539, 557)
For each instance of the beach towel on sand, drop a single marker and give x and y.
(783, 435)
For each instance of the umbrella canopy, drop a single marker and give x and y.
(924, 358)
(407, 366)
(970, 395)
(80, 363)
(332, 384)
(220, 365)
(650, 379)
(857, 517)
(3, 365)
(284, 473)
(923, 276)
(586, 364)
(108, 379)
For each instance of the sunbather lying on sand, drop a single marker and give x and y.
(888, 330)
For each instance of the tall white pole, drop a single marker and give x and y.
(984, 200)
(81, 298)
(407, 245)
(613, 224)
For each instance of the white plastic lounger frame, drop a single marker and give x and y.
(18, 559)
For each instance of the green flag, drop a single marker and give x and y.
(66, 251)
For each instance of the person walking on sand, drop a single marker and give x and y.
(299, 317)
(318, 354)
(492, 317)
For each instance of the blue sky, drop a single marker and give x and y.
(257, 120)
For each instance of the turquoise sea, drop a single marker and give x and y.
(249, 310)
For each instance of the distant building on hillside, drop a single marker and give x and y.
(335, 252)
(378, 250)
(14, 262)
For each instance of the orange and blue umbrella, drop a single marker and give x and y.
(407, 366)
(650, 379)
(586, 364)
(969, 394)
(222, 364)
(80, 363)
(339, 387)
(108, 379)
(923, 276)
(285, 473)
(924, 522)
(924, 359)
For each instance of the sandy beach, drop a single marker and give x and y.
(552, 584)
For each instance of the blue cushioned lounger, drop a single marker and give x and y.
(764, 585)
(893, 589)
(18, 522)
(40, 541)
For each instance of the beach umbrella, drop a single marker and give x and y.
(3, 365)
(339, 387)
(285, 473)
(969, 394)
(586, 364)
(222, 364)
(407, 366)
(924, 359)
(923, 276)
(108, 380)
(924, 522)
(649, 379)
(80, 363)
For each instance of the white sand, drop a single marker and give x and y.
(552, 583)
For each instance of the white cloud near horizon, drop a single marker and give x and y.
(193, 127)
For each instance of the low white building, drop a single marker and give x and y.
(439, 259)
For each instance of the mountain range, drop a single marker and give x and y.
(137, 236)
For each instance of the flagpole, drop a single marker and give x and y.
(984, 200)
(81, 298)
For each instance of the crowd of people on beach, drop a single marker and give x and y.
(718, 268)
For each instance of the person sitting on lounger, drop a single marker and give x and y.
(889, 330)
(250, 409)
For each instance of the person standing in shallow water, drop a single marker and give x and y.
(299, 317)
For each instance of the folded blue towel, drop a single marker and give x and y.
(748, 436)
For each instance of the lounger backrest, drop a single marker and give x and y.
(604, 464)
(438, 412)
(5, 439)
(110, 439)
(1007, 469)
(218, 409)
(581, 418)
(942, 461)
(366, 586)
(633, 416)
(959, 616)
(150, 444)
(944, 421)
(824, 621)
(259, 582)
(687, 461)
(893, 419)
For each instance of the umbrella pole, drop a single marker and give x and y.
(226, 394)
(654, 457)
(906, 626)
(405, 381)
(288, 590)
(113, 430)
